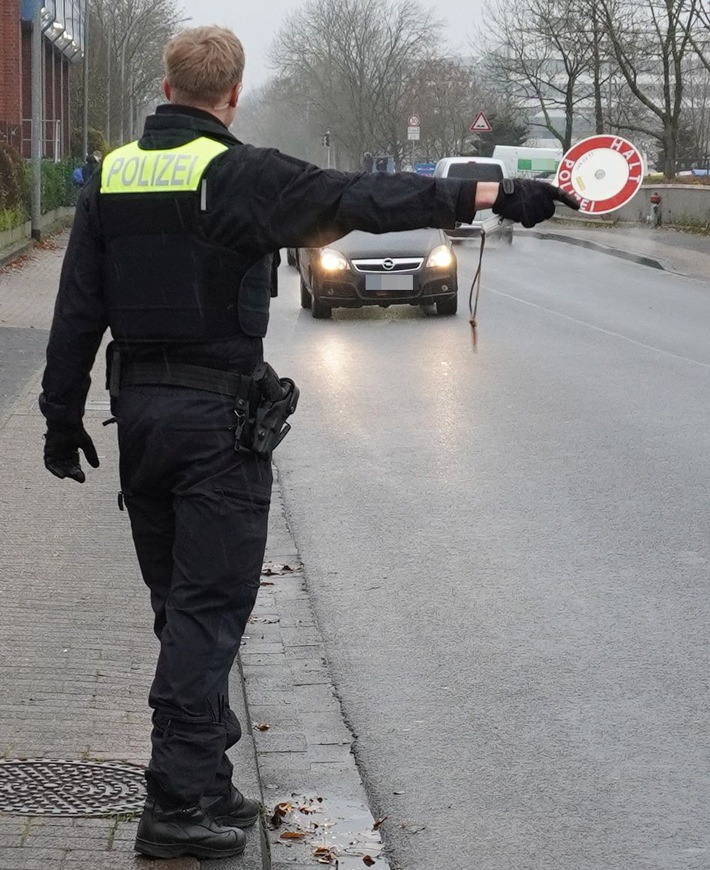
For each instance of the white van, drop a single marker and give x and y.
(475, 169)
(522, 161)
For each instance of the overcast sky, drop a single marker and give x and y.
(257, 23)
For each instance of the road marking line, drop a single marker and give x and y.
(599, 328)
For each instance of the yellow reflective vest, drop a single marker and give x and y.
(131, 169)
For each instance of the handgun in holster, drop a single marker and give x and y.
(113, 369)
(278, 400)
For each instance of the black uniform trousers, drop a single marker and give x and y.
(199, 512)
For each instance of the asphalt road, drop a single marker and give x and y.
(508, 554)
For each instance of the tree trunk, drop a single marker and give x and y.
(597, 69)
(670, 136)
(569, 115)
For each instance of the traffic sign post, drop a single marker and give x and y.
(414, 128)
(603, 172)
(325, 142)
(414, 125)
(480, 124)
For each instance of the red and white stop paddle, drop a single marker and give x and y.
(602, 172)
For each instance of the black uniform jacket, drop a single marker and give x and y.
(258, 201)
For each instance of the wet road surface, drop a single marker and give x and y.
(508, 555)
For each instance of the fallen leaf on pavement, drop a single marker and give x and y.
(280, 810)
(292, 835)
(262, 726)
(269, 569)
(368, 861)
(376, 826)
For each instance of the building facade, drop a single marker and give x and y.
(63, 24)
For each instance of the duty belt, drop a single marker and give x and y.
(178, 375)
(263, 401)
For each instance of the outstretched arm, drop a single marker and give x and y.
(280, 201)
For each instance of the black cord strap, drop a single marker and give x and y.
(476, 283)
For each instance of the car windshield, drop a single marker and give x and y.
(476, 171)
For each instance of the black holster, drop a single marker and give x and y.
(278, 398)
(113, 369)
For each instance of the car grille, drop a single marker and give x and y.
(389, 264)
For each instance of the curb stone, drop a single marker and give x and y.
(304, 748)
(26, 246)
(15, 252)
(602, 248)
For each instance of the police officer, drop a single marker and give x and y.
(171, 250)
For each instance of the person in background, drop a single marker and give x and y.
(90, 166)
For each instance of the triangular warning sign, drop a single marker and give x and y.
(480, 124)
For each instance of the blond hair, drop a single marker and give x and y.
(203, 63)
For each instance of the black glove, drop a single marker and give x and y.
(528, 202)
(61, 450)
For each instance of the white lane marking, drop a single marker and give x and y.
(599, 328)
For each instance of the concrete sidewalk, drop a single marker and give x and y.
(77, 657)
(684, 253)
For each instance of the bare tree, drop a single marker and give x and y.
(351, 64)
(650, 42)
(543, 51)
(271, 116)
(694, 133)
(446, 96)
(127, 38)
(698, 32)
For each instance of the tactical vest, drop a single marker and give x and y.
(164, 279)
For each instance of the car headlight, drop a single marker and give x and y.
(332, 261)
(440, 258)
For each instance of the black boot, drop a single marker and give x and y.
(232, 808)
(171, 833)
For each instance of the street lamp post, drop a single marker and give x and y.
(37, 132)
(85, 119)
(109, 58)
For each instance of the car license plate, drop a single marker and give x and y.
(389, 282)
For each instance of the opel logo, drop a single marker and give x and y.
(388, 264)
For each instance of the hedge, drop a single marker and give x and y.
(14, 188)
(16, 184)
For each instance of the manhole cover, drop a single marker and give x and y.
(38, 786)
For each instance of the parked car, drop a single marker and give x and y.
(417, 267)
(475, 169)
